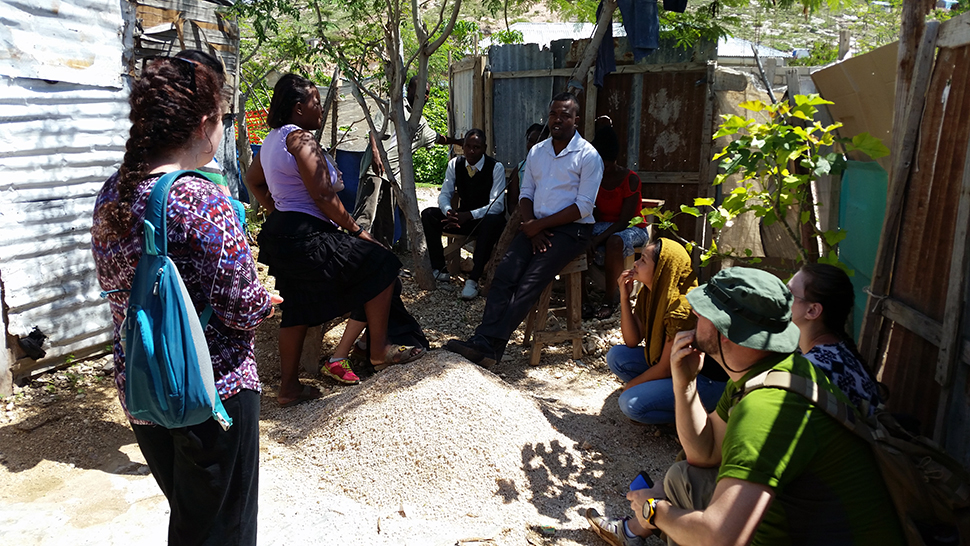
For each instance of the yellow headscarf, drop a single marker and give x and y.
(663, 310)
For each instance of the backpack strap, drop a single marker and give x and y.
(156, 223)
(819, 397)
(155, 240)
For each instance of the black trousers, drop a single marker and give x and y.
(210, 476)
(523, 275)
(487, 231)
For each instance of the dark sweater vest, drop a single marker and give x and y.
(473, 191)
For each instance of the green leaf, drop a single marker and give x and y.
(748, 252)
(813, 99)
(689, 247)
(834, 237)
(690, 210)
(753, 105)
(703, 201)
(869, 145)
(805, 216)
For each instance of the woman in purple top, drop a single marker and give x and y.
(321, 272)
(209, 475)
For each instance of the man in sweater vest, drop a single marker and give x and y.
(479, 183)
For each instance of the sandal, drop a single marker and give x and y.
(400, 354)
(605, 311)
(339, 370)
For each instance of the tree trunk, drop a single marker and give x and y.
(242, 140)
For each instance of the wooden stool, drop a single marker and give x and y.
(537, 320)
(453, 251)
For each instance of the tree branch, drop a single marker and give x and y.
(429, 50)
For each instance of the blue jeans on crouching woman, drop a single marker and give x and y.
(653, 402)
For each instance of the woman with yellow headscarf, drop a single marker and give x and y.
(665, 270)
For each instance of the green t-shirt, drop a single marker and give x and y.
(828, 489)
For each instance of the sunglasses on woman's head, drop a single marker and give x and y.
(185, 67)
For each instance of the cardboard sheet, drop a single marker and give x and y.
(863, 89)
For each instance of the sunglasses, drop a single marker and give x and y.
(185, 67)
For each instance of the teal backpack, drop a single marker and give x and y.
(169, 379)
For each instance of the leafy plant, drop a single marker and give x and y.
(821, 53)
(508, 36)
(777, 159)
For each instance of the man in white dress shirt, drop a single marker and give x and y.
(562, 176)
(479, 183)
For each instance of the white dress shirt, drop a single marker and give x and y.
(553, 182)
(494, 196)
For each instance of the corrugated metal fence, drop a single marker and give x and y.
(60, 137)
(661, 109)
(917, 330)
(63, 125)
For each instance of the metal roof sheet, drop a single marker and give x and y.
(76, 41)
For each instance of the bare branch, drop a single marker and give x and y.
(429, 50)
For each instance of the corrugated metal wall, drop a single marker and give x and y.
(922, 268)
(659, 109)
(520, 102)
(60, 137)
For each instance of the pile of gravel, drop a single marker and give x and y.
(445, 439)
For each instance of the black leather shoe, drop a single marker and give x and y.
(483, 356)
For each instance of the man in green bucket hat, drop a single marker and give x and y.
(765, 468)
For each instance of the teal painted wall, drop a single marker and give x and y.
(862, 207)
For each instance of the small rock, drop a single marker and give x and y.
(10, 406)
(580, 363)
(80, 397)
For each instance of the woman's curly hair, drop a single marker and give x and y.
(289, 90)
(168, 103)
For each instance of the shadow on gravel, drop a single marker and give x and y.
(69, 432)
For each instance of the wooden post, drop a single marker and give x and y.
(707, 169)
(592, 92)
(489, 128)
(953, 310)
(589, 55)
(844, 42)
(906, 121)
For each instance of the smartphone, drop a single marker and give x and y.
(642, 481)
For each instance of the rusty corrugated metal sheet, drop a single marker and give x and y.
(166, 27)
(75, 41)
(58, 143)
(518, 103)
(926, 239)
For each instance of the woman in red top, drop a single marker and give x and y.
(617, 204)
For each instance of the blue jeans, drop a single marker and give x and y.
(653, 402)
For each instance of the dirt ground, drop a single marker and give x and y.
(549, 442)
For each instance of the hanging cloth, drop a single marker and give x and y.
(642, 23)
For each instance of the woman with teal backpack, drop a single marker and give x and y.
(208, 474)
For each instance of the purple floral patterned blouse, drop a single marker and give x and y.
(216, 264)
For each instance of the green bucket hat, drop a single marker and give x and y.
(750, 307)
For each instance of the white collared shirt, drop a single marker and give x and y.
(553, 182)
(494, 196)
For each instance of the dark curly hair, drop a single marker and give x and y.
(168, 102)
(290, 90)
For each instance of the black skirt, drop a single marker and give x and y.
(321, 272)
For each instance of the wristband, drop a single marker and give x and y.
(360, 229)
